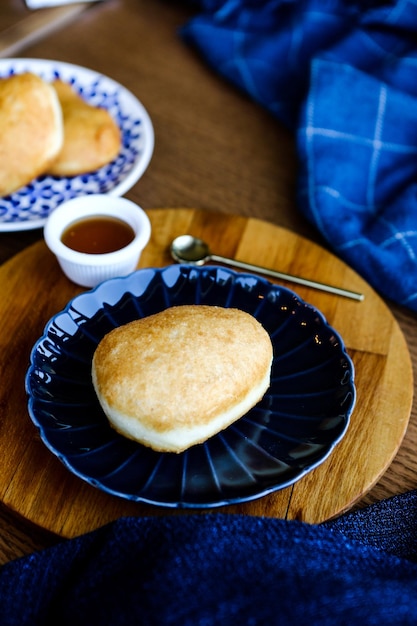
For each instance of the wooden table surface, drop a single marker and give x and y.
(215, 150)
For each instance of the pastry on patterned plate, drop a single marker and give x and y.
(31, 129)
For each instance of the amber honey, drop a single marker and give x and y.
(98, 235)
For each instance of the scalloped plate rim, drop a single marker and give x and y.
(181, 504)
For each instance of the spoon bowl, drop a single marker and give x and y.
(194, 251)
(189, 249)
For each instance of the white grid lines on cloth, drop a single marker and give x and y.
(388, 146)
(345, 202)
(377, 146)
(400, 237)
(354, 243)
(407, 301)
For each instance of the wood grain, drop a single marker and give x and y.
(28, 27)
(215, 148)
(35, 484)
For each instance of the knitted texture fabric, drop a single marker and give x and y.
(211, 569)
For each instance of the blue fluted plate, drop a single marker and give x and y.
(292, 429)
(29, 207)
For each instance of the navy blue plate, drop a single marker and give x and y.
(289, 432)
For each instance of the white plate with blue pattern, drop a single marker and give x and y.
(29, 207)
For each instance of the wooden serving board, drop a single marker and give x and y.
(34, 483)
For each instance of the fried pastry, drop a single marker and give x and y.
(91, 136)
(174, 379)
(31, 132)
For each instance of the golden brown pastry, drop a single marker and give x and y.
(31, 132)
(176, 378)
(91, 136)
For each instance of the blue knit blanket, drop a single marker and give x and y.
(221, 570)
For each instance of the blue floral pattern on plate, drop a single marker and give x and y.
(29, 207)
(292, 430)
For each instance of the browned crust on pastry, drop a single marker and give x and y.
(182, 368)
(91, 136)
(30, 129)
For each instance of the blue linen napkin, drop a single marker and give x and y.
(217, 569)
(342, 76)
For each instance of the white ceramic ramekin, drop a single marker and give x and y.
(88, 270)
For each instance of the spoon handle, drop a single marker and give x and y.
(282, 276)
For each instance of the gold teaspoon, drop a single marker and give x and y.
(194, 251)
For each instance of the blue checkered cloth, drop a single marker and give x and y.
(342, 76)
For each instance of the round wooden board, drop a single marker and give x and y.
(35, 484)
